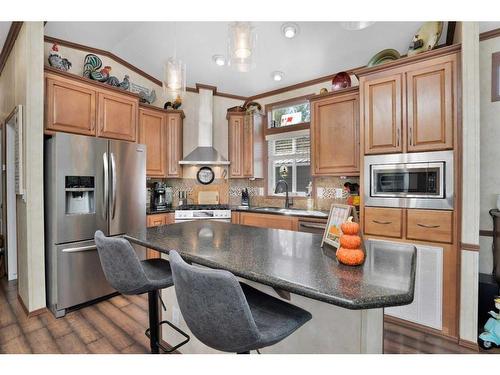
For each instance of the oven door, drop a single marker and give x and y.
(415, 180)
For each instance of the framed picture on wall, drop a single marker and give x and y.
(339, 213)
(495, 77)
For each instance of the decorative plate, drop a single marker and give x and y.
(205, 175)
(384, 56)
(341, 81)
(426, 37)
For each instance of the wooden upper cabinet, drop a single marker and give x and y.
(248, 143)
(153, 133)
(69, 106)
(117, 116)
(236, 130)
(430, 98)
(335, 135)
(174, 144)
(410, 107)
(382, 114)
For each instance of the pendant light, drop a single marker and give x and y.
(241, 46)
(174, 75)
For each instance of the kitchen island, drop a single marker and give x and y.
(346, 302)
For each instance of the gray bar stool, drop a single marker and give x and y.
(129, 275)
(229, 316)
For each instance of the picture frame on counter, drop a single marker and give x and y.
(339, 213)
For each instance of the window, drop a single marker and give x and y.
(291, 114)
(290, 150)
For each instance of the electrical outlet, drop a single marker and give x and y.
(320, 192)
(261, 191)
(338, 193)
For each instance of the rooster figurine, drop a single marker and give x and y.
(91, 63)
(57, 61)
(144, 97)
(124, 85)
(102, 75)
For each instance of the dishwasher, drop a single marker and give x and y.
(312, 226)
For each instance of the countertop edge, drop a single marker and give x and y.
(369, 303)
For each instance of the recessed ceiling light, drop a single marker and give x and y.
(277, 75)
(219, 60)
(290, 30)
(356, 25)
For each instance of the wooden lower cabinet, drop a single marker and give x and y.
(270, 221)
(386, 222)
(433, 232)
(430, 225)
(156, 220)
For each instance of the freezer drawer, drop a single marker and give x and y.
(80, 275)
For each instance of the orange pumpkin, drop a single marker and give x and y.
(350, 257)
(350, 227)
(350, 241)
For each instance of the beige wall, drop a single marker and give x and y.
(21, 82)
(490, 150)
(469, 277)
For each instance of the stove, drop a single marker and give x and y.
(189, 212)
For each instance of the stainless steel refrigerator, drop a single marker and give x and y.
(90, 184)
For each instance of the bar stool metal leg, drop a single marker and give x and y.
(153, 332)
(154, 324)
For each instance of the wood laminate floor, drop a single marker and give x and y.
(117, 326)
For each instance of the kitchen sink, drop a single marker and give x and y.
(291, 211)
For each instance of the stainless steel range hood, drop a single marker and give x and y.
(205, 154)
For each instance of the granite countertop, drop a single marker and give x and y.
(317, 214)
(152, 211)
(292, 261)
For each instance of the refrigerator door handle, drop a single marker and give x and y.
(79, 249)
(105, 195)
(113, 187)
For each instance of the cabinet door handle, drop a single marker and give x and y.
(428, 226)
(382, 222)
(411, 135)
(397, 137)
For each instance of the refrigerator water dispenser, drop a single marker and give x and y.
(80, 195)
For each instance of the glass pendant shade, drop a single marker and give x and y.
(241, 46)
(174, 78)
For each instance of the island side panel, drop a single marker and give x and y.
(333, 329)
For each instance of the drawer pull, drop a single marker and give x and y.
(428, 226)
(382, 222)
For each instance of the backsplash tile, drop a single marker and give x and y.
(230, 191)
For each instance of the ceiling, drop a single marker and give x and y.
(320, 48)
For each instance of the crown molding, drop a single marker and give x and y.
(489, 34)
(14, 30)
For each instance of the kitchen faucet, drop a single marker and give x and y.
(278, 184)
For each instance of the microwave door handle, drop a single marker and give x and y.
(113, 186)
(105, 195)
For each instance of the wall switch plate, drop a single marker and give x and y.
(338, 193)
(320, 192)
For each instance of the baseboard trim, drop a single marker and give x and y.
(420, 328)
(469, 344)
(32, 313)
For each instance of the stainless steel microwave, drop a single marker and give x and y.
(413, 180)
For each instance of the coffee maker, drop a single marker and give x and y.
(161, 197)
